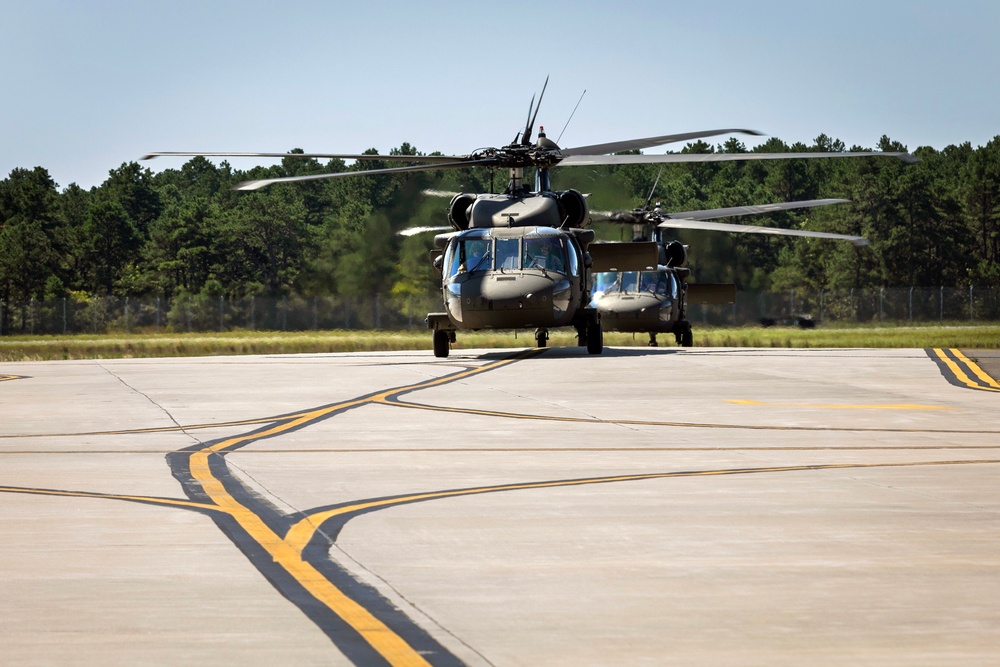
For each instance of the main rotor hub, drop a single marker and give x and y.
(542, 155)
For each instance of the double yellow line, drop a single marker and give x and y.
(964, 371)
(286, 551)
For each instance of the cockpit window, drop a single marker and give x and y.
(483, 253)
(630, 281)
(655, 282)
(606, 281)
(469, 255)
(507, 253)
(544, 253)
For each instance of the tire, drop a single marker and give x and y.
(441, 345)
(595, 338)
(687, 339)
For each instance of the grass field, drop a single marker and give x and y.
(137, 345)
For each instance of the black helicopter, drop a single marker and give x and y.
(654, 299)
(523, 258)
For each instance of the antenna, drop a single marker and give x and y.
(526, 139)
(653, 189)
(571, 115)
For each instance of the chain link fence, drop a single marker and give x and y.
(895, 305)
(100, 315)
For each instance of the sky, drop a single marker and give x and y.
(89, 85)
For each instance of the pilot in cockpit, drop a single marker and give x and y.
(545, 258)
(476, 256)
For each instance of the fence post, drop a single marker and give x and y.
(911, 303)
(971, 316)
(941, 304)
(64, 316)
(253, 313)
(222, 313)
(822, 305)
(881, 296)
(1, 318)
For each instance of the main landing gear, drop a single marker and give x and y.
(682, 332)
(590, 333)
(442, 342)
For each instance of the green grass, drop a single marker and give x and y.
(112, 346)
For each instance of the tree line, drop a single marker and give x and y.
(185, 232)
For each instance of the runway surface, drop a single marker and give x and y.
(657, 506)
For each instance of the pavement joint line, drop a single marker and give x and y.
(285, 545)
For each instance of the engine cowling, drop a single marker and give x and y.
(673, 254)
(574, 209)
(458, 210)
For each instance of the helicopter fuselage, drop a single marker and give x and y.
(511, 278)
(639, 301)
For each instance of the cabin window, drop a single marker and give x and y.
(574, 263)
(671, 289)
(450, 262)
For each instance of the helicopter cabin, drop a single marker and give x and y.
(517, 277)
(636, 301)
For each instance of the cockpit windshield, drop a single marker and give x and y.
(654, 282)
(483, 253)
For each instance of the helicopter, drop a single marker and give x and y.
(493, 274)
(654, 299)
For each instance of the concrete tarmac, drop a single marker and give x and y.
(700, 506)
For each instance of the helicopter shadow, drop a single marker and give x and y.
(566, 353)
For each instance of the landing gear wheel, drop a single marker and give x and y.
(541, 337)
(652, 340)
(441, 344)
(595, 338)
(687, 339)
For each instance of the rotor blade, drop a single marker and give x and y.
(256, 185)
(583, 160)
(604, 216)
(431, 192)
(390, 158)
(709, 214)
(752, 229)
(526, 139)
(649, 142)
(412, 231)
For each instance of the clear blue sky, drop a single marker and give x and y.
(90, 84)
